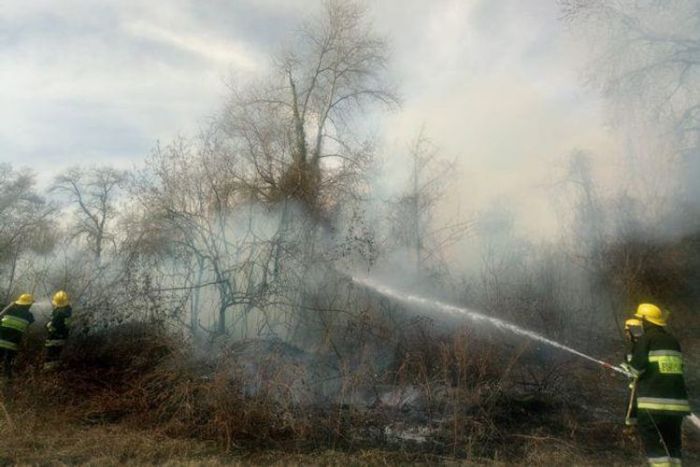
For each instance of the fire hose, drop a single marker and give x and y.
(627, 371)
(408, 298)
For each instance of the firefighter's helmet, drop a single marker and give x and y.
(24, 299)
(652, 313)
(60, 299)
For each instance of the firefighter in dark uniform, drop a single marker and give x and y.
(57, 329)
(662, 400)
(14, 322)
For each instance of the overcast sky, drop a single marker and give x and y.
(495, 82)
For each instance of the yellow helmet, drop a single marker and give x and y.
(24, 299)
(60, 299)
(652, 313)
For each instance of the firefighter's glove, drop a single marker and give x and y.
(629, 370)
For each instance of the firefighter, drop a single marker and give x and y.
(15, 320)
(57, 329)
(662, 400)
(633, 331)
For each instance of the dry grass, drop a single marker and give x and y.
(134, 395)
(141, 377)
(51, 438)
(46, 439)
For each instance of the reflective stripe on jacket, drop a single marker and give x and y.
(14, 322)
(7, 345)
(663, 403)
(658, 359)
(13, 325)
(665, 461)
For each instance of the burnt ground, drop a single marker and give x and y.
(136, 397)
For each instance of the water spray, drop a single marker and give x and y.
(498, 323)
(478, 317)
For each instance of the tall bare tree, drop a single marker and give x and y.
(413, 216)
(646, 61)
(24, 219)
(241, 204)
(295, 130)
(196, 220)
(92, 194)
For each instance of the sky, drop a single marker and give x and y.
(496, 84)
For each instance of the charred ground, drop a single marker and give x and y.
(135, 393)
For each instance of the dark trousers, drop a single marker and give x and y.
(52, 356)
(53, 352)
(661, 435)
(7, 356)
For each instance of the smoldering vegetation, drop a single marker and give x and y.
(212, 289)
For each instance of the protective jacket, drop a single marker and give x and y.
(57, 335)
(658, 361)
(13, 325)
(58, 325)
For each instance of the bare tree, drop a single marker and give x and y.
(295, 130)
(650, 51)
(295, 133)
(24, 219)
(240, 206)
(92, 193)
(412, 217)
(646, 61)
(188, 202)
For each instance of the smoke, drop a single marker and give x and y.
(533, 221)
(42, 305)
(473, 316)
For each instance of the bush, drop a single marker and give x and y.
(445, 392)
